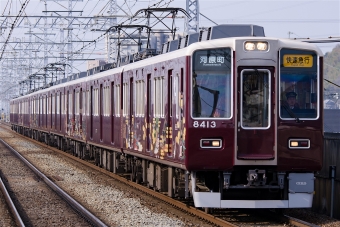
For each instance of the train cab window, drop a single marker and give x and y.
(255, 99)
(299, 82)
(211, 84)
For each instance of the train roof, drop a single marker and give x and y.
(187, 51)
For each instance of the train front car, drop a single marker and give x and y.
(255, 128)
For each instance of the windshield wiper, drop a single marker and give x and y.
(289, 111)
(216, 94)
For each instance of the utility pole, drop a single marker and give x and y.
(111, 43)
(192, 7)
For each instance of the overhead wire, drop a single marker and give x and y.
(95, 41)
(5, 8)
(22, 9)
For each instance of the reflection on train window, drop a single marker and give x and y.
(211, 84)
(255, 99)
(304, 88)
(298, 85)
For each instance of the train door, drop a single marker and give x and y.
(81, 110)
(45, 110)
(131, 114)
(91, 112)
(112, 111)
(177, 102)
(148, 112)
(101, 107)
(58, 126)
(170, 113)
(255, 124)
(53, 115)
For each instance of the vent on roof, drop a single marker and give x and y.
(205, 35)
(165, 48)
(186, 40)
(173, 45)
(209, 33)
(201, 34)
(193, 38)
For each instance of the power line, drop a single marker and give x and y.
(23, 6)
(332, 83)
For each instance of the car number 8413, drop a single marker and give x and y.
(204, 124)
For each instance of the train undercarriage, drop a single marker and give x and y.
(244, 187)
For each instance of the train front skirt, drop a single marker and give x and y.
(300, 195)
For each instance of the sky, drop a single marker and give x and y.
(280, 19)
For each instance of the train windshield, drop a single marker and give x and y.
(299, 94)
(211, 84)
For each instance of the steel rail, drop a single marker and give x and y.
(184, 207)
(298, 222)
(73, 203)
(11, 205)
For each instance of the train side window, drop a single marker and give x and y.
(52, 104)
(96, 102)
(170, 91)
(49, 104)
(104, 101)
(117, 100)
(140, 98)
(83, 102)
(176, 94)
(76, 109)
(70, 104)
(88, 98)
(159, 97)
(155, 104)
(135, 97)
(125, 99)
(108, 103)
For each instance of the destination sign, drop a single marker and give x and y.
(298, 60)
(212, 60)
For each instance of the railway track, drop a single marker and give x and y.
(20, 200)
(6, 218)
(221, 217)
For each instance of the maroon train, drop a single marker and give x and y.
(210, 120)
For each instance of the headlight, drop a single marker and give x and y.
(211, 143)
(256, 46)
(262, 46)
(299, 143)
(249, 46)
